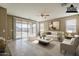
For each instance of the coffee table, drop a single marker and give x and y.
(44, 41)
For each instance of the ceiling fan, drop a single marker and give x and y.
(44, 16)
(44, 13)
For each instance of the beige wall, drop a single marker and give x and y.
(78, 24)
(46, 26)
(9, 26)
(3, 22)
(62, 20)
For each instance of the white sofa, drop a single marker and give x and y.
(54, 35)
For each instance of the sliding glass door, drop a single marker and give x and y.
(21, 30)
(24, 29)
(18, 30)
(29, 29)
(34, 29)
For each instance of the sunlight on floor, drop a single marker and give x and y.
(35, 41)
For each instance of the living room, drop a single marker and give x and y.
(39, 29)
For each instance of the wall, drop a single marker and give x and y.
(46, 26)
(78, 24)
(3, 22)
(9, 26)
(62, 20)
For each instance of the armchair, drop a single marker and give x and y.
(69, 46)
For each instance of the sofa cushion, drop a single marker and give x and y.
(66, 41)
(76, 35)
(72, 40)
(69, 42)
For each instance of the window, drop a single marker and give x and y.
(29, 29)
(41, 27)
(34, 29)
(71, 26)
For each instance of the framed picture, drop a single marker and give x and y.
(54, 25)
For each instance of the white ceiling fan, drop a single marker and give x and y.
(44, 13)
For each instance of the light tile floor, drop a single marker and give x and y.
(27, 48)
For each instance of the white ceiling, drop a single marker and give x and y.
(33, 10)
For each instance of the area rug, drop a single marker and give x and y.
(36, 44)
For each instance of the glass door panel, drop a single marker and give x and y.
(18, 30)
(24, 31)
(34, 29)
(29, 29)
